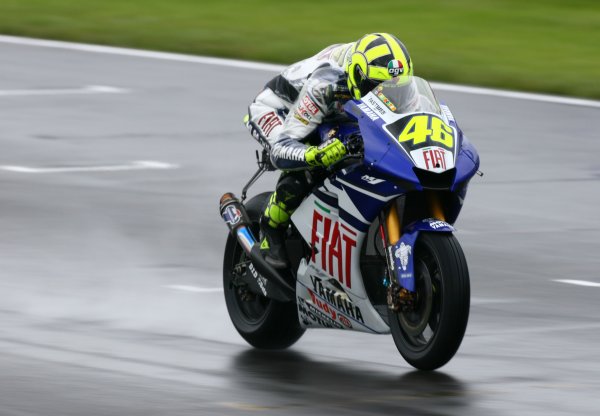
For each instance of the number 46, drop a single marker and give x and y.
(420, 128)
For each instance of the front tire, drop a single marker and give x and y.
(264, 323)
(429, 336)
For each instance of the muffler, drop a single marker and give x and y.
(237, 220)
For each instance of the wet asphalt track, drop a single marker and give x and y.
(88, 326)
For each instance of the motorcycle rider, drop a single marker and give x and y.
(285, 115)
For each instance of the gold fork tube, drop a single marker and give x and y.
(435, 206)
(392, 222)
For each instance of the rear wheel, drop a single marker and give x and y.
(262, 322)
(429, 335)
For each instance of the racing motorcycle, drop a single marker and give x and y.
(371, 248)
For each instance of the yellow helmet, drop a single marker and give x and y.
(374, 58)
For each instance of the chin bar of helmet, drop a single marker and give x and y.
(236, 218)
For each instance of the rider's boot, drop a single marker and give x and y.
(273, 225)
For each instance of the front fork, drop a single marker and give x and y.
(401, 295)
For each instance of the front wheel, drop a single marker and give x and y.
(262, 322)
(429, 335)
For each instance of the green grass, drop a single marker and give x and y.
(538, 45)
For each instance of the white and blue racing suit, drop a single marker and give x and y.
(296, 102)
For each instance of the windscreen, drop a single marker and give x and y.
(404, 95)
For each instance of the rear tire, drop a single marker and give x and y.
(264, 323)
(429, 336)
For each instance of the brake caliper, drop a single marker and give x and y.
(400, 299)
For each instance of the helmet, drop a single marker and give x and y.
(374, 58)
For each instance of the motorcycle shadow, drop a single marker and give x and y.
(288, 379)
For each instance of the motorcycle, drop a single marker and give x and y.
(371, 248)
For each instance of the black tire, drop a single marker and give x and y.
(429, 336)
(264, 323)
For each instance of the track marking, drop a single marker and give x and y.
(88, 89)
(492, 301)
(195, 289)
(261, 66)
(137, 165)
(140, 53)
(578, 282)
(556, 99)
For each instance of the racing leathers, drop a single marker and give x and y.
(284, 118)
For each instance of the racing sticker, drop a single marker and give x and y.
(433, 158)
(310, 315)
(330, 297)
(428, 140)
(232, 215)
(402, 253)
(395, 67)
(268, 122)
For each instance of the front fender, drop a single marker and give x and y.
(403, 250)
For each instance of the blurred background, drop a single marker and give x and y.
(112, 165)
(538, 45)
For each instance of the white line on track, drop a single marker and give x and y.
(517, 95)
(260, 66)
(578, 282)
(88, 89)
(137, 165)
(139, 53)
(195, 289)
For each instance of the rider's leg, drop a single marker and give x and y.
(291, 189)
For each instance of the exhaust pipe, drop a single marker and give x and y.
(237, 220)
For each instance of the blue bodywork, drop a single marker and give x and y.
(386, 173)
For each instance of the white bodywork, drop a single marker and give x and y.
(330, 290)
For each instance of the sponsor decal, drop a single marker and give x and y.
(435, 158)
(262, 282)
(288, 153)
(437, 224)
(310, 105)
(371, 180)
(345, 321)
(268, 122)
(301, 119)
(305, 110)
(232, 215)
(310, 314)
(375, 106)
(395, 67)
(431, 158)
(334, 247)
(370, 113)
(325, 297)
(384, 99)
(402, 253)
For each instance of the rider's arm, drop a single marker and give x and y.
(312, 106)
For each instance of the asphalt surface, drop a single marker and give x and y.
(89, 324)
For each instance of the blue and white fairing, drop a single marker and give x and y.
(411, 143)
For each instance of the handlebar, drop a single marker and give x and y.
(355, 148)
(354, 144)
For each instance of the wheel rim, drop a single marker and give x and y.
(419, 326)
